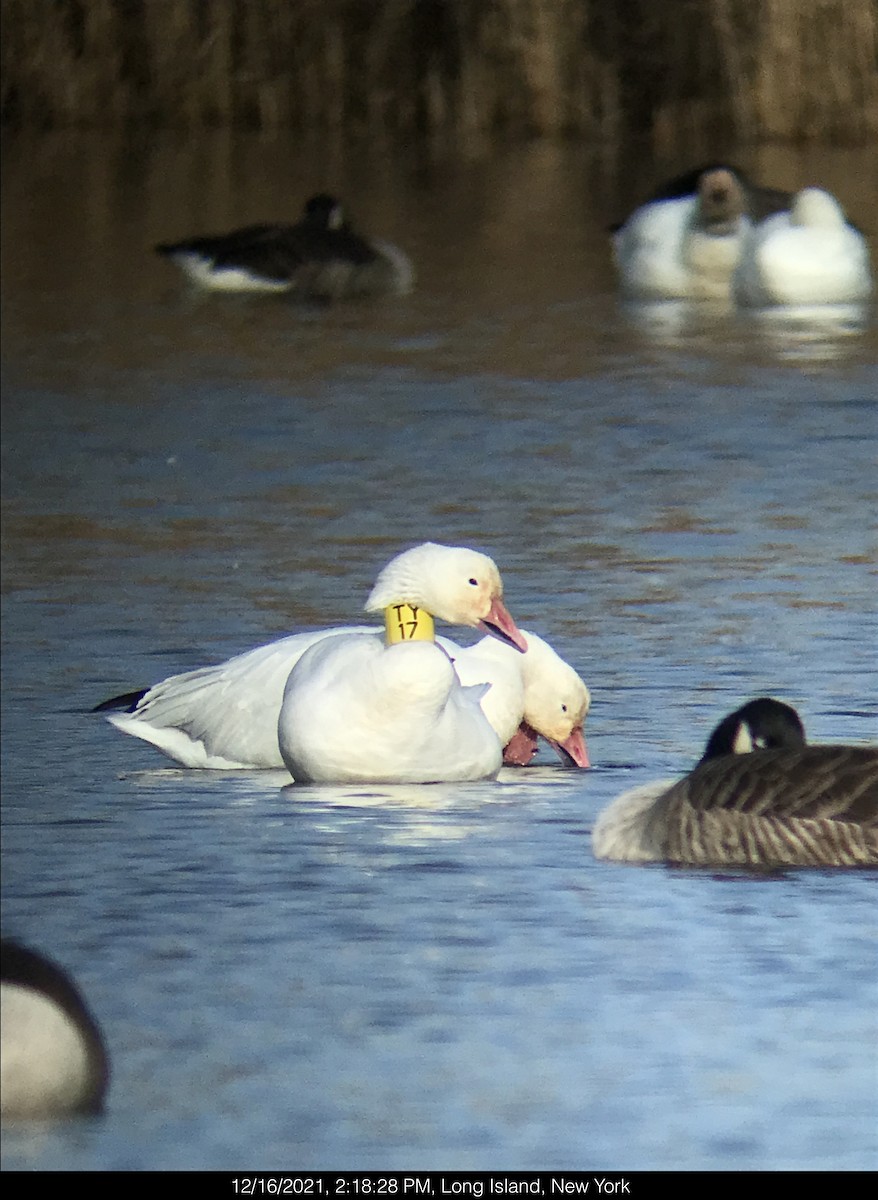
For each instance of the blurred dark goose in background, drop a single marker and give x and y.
(320, 258)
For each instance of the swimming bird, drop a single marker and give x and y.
(53, 1060)
(393, 710)
(759, 796)
(684, 242)
(810, 255)
(321, 258)
(225, 717)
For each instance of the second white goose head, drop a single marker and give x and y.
(532, 695)
(817, 209)
(556, 701)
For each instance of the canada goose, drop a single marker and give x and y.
(759, 796)
(321, 257)
(53, 1061)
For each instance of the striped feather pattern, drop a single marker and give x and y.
(796, 805)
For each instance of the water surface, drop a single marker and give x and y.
(680, 499)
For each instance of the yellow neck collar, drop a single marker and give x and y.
(407, 623)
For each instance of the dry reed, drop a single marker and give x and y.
(776, 69)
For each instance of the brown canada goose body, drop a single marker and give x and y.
(785, 805)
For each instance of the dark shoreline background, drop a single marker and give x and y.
(731, 71)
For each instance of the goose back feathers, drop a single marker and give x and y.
(787, 804)
(357, 711)
(815, 806)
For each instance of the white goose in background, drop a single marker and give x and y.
(225, 717)
(684, 242)
(759, 796)
(53, 1061)
(810, 255)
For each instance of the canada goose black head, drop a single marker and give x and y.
(763, 724)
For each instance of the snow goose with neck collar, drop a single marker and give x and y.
(393, 710)
(759, 796)
(225, 717)
(321, 257)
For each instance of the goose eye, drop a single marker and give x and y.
(474, 582)
(563, 708)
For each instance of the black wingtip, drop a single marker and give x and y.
(126, 703)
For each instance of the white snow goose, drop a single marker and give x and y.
(393, 710)
(532, 695)
(684, 241)
(225, 717)
(808, 256)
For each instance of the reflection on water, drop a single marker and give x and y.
(803, 334)
(681, 499)
(679, 323)
(813, 334)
